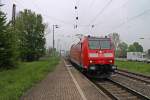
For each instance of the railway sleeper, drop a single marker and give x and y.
(135, 77)
(129, 98)
(115, 89)
(116, 92)
(127, 94)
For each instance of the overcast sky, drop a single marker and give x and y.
(129, 18)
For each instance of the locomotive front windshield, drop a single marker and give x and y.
(99, 44)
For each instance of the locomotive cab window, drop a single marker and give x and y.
(105, 44)
(94, 44)
(99, 44)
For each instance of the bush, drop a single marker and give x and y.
(8, 44)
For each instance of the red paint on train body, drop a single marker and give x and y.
(94, 55)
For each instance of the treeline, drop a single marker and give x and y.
(22, 40)
(121, 48)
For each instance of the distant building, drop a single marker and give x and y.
(136, 56)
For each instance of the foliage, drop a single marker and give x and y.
(14, 83)
(135, 47)
(32, 40)
(115, 39)
(138, 67)
(122, 50)
(8, 44)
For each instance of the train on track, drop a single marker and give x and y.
(94, 56)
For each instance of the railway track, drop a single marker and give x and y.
(135, 76)
(118, 91)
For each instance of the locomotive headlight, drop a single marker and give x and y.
(91, 61)
(110, 61)
(108, 55)
(93, 54)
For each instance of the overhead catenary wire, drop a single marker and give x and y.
(48, 16)
(85, 12)
(100, 12)
(56, 19)
(91, 25)
(63, 21)
(51, 17)
(131, 19)
(124, 4)
(98, 23)
(92, 3)
(127, 20)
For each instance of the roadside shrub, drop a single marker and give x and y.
(8, 44)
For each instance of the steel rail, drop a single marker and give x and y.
(138, 94)
(113, 96)
(119, 85)
(136, 76)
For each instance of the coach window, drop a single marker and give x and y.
(81, 46)
(78, 46)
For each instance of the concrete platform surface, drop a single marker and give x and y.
(64, 84)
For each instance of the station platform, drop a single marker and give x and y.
(65, 83)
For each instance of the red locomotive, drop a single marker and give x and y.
(94, 56)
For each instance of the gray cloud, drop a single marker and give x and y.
(116, 17)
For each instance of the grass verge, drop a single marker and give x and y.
(15, 82)
(138, 67)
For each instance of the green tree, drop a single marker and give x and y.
(8, 44)
(122, 50)
(138, 47)
(135, 47)
(115, 39)
(131, 48)
(32, 40)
